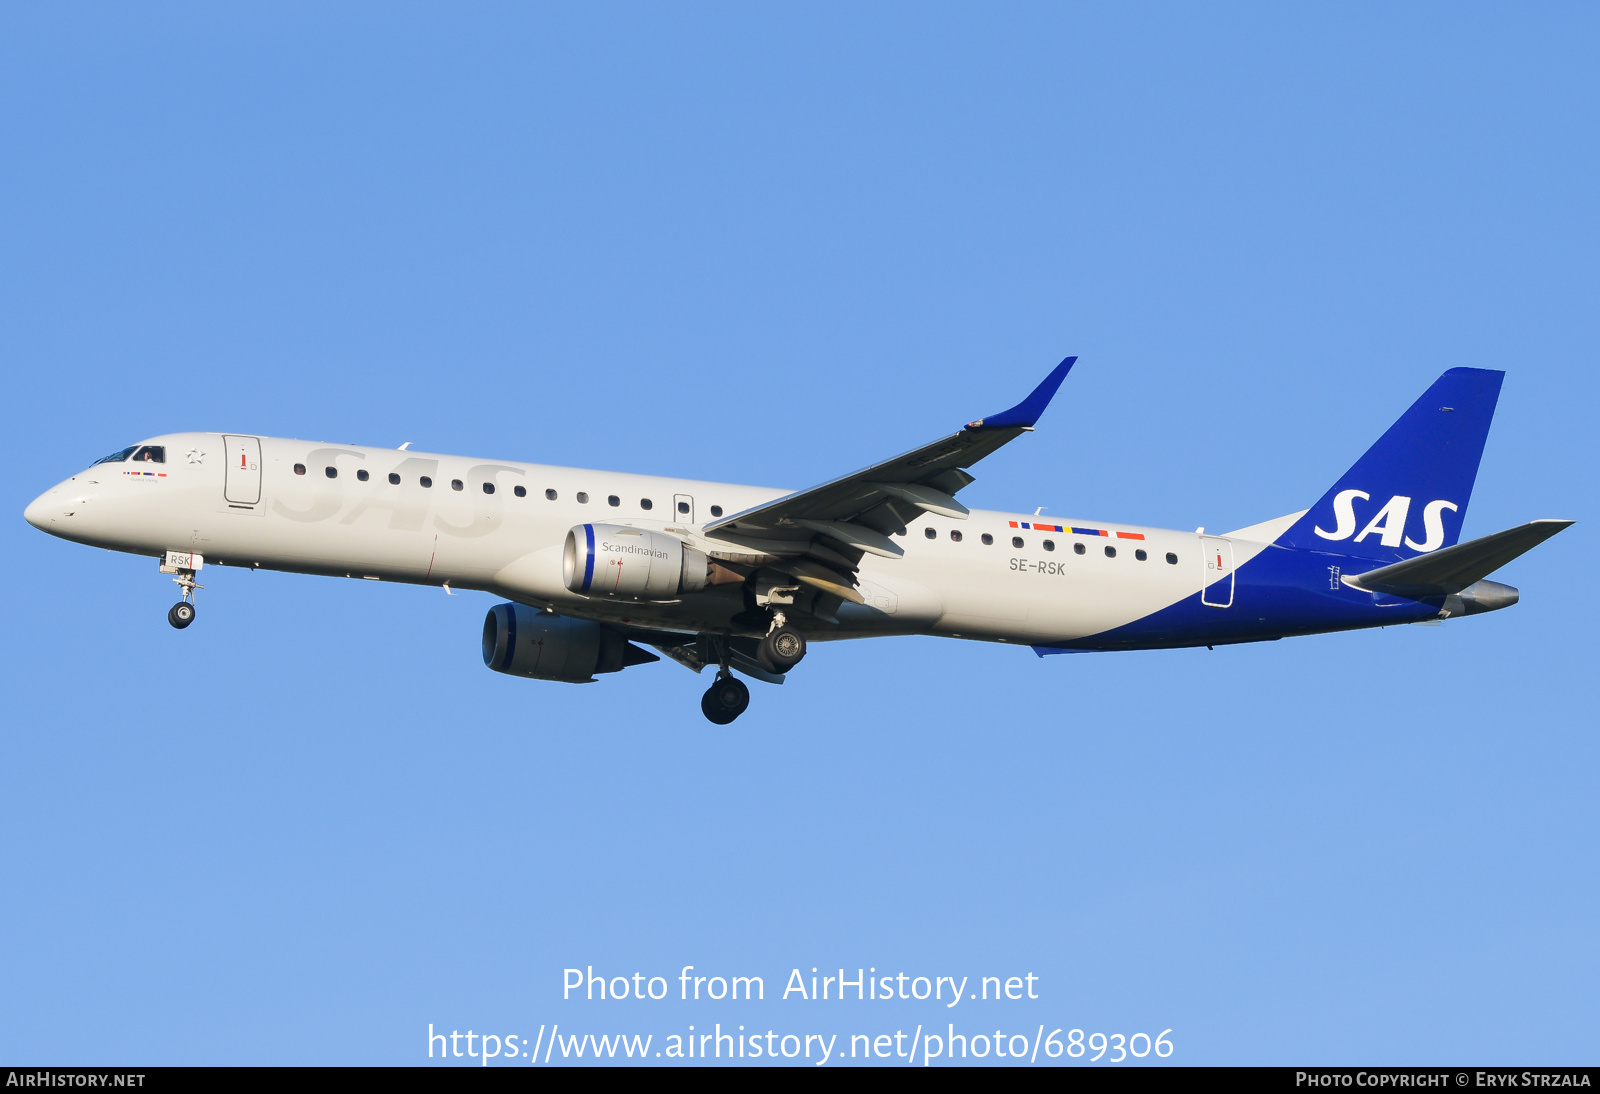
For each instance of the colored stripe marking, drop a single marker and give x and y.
(1037, 527)
(588, 563)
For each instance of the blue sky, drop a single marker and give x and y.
(773, 246)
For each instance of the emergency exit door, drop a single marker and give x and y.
(243, 484)
(1218, 590)
(683, 508)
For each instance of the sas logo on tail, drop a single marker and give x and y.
(1389, 523)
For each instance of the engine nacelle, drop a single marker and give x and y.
(521, 641)
(613, 560)
(1481, 596)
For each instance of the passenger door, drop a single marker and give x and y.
(243, 485)
(1218, 590)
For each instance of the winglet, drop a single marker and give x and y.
(1027, 412)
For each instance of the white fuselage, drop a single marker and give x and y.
(276, 506)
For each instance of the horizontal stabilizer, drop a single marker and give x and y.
(1455, 568)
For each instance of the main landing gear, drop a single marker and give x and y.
(726, 699)
(783, 647)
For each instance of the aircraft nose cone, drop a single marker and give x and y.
(48, 511)
(35, 513)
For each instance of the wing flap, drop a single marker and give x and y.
(925, 498)
(855, 535)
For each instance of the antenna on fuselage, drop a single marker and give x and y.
(405, 446)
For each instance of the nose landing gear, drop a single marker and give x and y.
(184, 565)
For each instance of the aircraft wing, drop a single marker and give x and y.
(856, 513)
(1455, 568)
(860, 509)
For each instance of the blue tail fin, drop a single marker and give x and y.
(1408, 495)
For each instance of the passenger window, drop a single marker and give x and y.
(549, 495)
(955, 535)
(151, 453)
(426, 482)
(930, 533)
(1140, 554)
(583, 499)
(362, 476)
(613, 501)
(716, 510)
(455, 484)
(331, 472)
(520, 491)
(299, 469)
(1077, 548)
(488, 488)
(646, 503)
(683, 507)
(1172, 559)
(988, 540)
(1049, 545)
(394, 479)
(1016, 541)
(1111, 552)
(117, 457)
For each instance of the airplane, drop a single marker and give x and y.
(594, 566)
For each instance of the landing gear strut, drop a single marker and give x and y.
(182, 613)
(782, 648)
(727, 698)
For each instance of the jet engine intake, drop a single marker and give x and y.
(614, 560)
(521, 641)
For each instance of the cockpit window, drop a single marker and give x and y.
(117, 457)
(151, 453)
